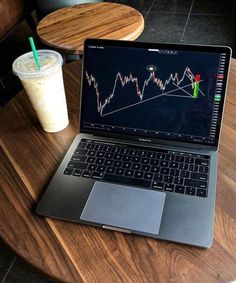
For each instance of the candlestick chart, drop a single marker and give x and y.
(137, 91)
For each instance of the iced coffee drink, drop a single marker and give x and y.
(45, 87)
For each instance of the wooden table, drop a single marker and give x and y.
(76, 253)
(67, 28)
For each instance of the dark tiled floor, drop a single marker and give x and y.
(182, 21)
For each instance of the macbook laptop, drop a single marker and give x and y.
(145, 158)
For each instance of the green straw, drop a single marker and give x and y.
(36, 58)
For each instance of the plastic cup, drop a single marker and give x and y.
(45, 87)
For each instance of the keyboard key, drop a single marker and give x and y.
(154, 162)
(110, 170)
(158, 177)
(158, 185)
(174, 172)
(201, 193)
(170, 157)
(183, 166)
(203, 162)
(193, 168)
(179, 189)
(142, 153)
(90, 146)
(195, 183)
(119, 171)
(109, 155)
(164, 163)
(145, 168)
(77, 165)
(115, 149)
(86, 174)
(148, 176)
(81, 151)
(165, 171)
(79, 158)
(92, 153)
(92, 167)
(184, 173)
(124, 150)
(136, 166)
(108, 162)
(155, 169)
(97, 175)
(91, 159)
(126, 180)
(198, 176)
(189, 160)
(117, 156)
(68, 171)
(106, 148)
(82, 144)
(132, 151)
(190, 191)
(126, 165)
(98, 147)
(203, 169)
(145, 160)
(160, 155)
(129, 173)
(151, 154)
(99, 161)
(100, 154)
(126, 158)
(135, 159)
(174, 165)
(178, 181)
(117, 163)
(179, 158)
(169, 187)
(138, 174)
(101, 168)
(168, 179)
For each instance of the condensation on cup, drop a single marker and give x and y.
(45, 87)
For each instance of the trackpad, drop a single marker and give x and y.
(125, 207)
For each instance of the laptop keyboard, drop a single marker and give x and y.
(157, 169)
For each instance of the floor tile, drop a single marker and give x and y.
(213, 7)
(173, 6)
(163, 28)
(6, 258)
(209, 30)
(21, 272)
(143, 6)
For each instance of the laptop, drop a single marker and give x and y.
(145, 158)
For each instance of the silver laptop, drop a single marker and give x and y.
(145, 160)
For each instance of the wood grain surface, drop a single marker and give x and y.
(71, 252)
(67, 28)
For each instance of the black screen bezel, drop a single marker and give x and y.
(118, 43)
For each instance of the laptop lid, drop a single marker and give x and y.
(154, 92)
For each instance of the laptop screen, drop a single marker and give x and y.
(154, 91)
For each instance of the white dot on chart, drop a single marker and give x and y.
(151, 68)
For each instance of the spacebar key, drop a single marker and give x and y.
(126, 181)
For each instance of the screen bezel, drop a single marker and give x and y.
(145, 45)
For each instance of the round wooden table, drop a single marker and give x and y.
(71, 252)
(67, 28)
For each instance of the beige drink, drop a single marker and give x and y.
(45, 87)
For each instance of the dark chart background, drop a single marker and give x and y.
(175, 112)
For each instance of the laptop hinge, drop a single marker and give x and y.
(116, 229)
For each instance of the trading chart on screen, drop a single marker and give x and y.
(153, 92)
